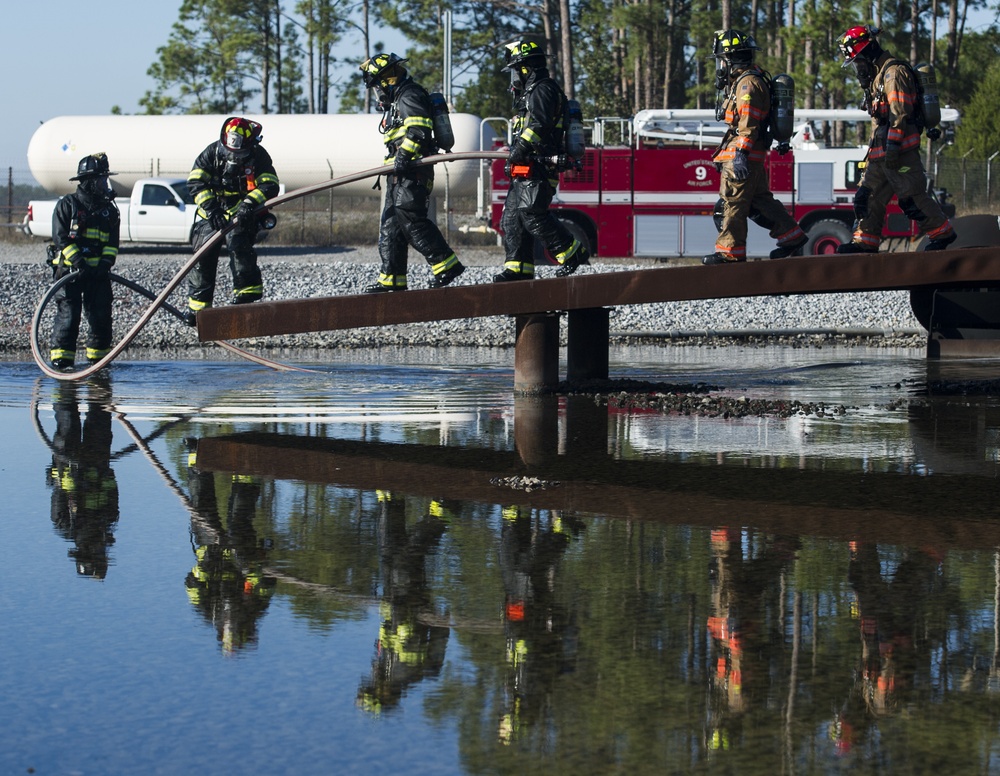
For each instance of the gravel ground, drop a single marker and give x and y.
(876, 318)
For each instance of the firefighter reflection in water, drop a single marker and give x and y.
(892, 610)
(408, 648)
(746, 593)
(540, 634)
(745, 105)
(84, 488)
(227, 584)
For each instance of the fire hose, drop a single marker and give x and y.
(160, 300)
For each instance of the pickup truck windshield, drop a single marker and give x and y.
(153, 194)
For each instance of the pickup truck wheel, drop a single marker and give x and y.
(825, 237)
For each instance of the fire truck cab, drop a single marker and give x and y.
(648, 187)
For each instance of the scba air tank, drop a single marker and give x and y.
(574, 139)
(783, 107)
(444, 135)
(932, 104)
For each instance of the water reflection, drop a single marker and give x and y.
(227, 585)
(84, 487)
(563, 594)
(600, 564)
(409, 647)
(541, 637)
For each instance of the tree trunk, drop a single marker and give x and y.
(566, 37)
(951, 53)
(277, 55)
(367, 40)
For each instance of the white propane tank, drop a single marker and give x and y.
(306, 148)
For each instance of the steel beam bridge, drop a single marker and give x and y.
(950, 289)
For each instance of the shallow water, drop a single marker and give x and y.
(391, 562)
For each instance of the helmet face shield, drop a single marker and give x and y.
(736, 47)
(518, 51)
(239, 136)
(859, 43)
(382, 72)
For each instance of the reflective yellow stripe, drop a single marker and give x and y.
(195, 305)
(447, 264)
(392, 281)
(247, 290)
(418, 121)
(60, 353)
(573, 248)
(521, 267)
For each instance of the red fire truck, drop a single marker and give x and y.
(648, 186)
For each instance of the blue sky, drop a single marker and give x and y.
(52, 53)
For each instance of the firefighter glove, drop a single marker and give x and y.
(53, 258)
(217, 219)
(401, 163)
(741, 166)
(244, 213)
(100, 270)
(892, 152)
(520, 152)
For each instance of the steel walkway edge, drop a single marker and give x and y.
(590, 294)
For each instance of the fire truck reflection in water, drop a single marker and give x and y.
(648, 186)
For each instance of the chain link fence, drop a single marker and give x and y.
(321, 219)
(973, 183)
(19, 188)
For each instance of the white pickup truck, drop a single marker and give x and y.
(160, 210)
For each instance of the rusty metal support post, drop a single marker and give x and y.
(587, 344)
(536, 429)
(536, 353)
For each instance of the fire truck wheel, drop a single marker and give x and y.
(579, 234)
(825, 236)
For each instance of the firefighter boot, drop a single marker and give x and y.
(941, 243)
(378, 288)
(574, 262)
(508, 275)
(440, 281)
(853, 247)
(784, 251)
(718, 258)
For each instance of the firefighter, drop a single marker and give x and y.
(85, 230)
(230, 181)
(84, 487)
(893, 163)
(533, 168)
(407, 128)
(745, 105)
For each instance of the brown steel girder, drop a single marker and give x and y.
(804, 275)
